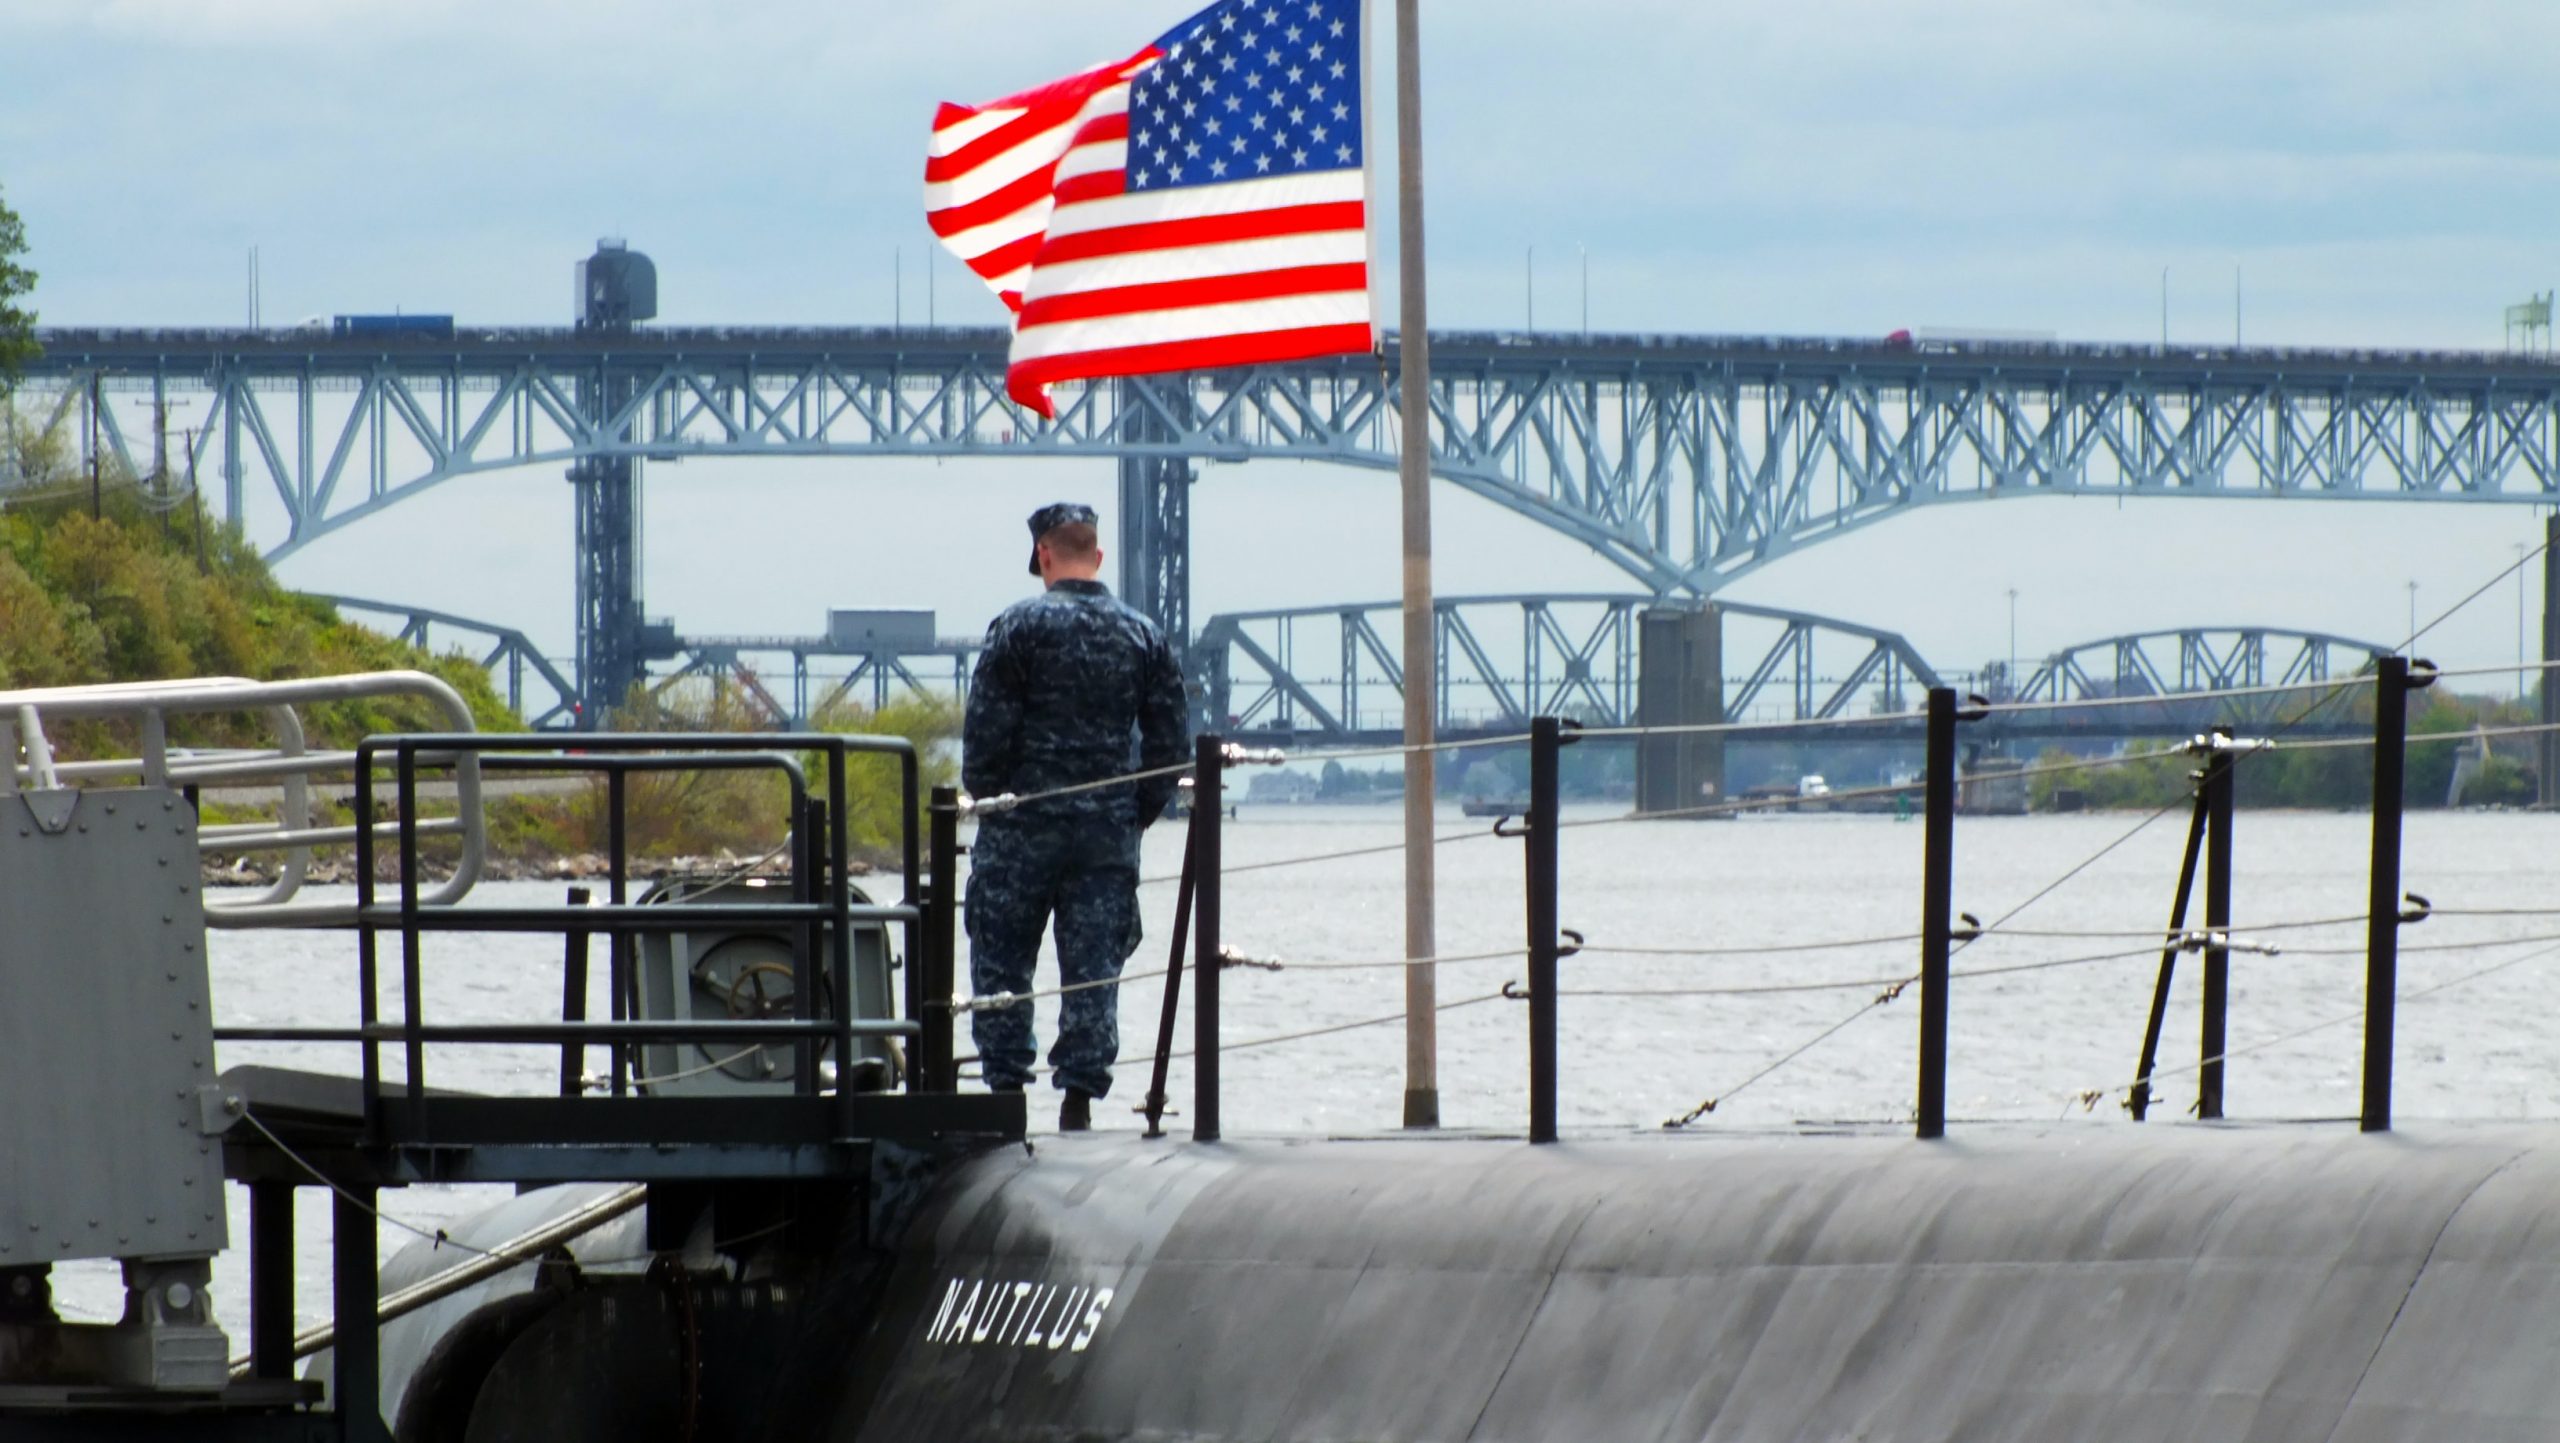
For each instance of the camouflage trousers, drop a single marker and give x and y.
(1020, 876)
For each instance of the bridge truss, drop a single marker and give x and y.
(1335, 673)
(504, 652)
(2209, 659)
(1688, 462)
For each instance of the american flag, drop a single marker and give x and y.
(1202, 203)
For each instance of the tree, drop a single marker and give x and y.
(17, 325)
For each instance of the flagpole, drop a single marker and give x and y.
(1421, 686)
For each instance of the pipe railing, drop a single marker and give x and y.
(28, 762)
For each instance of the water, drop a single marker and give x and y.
(2023, 1046)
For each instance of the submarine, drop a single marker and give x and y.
(781, 1216)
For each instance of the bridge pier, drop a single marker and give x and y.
(617, 286)
(1155, 532)
(1679, 682)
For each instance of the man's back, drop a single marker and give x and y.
(1073, 687)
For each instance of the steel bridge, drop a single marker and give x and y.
(1333, 676)
(1687, 461)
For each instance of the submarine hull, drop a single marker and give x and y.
(2179, 1283)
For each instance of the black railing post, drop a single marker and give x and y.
(271, 1278)
(617, 943)
(1173, 974)
(1207, 803)
(2214, 1034)
(1546, 746)
(2382, 900)
(368, 944)
(573, 999)
(2140, 1102)
(929, 995)
(355, 1307)
(1937, 909)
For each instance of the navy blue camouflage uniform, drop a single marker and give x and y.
(1073, 686)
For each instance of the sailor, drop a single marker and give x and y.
(1072, 687)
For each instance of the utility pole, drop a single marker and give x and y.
(195, 500)
(96, 506)
(1421, 982)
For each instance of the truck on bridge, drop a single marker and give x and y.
(436, 327)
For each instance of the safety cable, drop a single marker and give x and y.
(2415, 739)
(1848, 984)
(438, 1236)
(1230, 959)
(2090, 1096)
(1710, 1104)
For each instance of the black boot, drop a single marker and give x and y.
(1076, 1113)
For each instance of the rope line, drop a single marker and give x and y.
(1710, 1104)
(1847, 984)
(2482, 590)
(2088, 1097)
(438, 1236)
(1230, 959)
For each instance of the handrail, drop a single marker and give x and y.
(820, 895)
(290, 764)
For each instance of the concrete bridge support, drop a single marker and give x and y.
(1680, 682)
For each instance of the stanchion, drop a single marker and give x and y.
(2213, 1035)
(1173, 974)
(1546, 745)
(573, 1000)
(929, 988)
(2382, 901)
(2140, 1101)
(1207, 803)
(1937, 909)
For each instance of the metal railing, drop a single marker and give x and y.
(820, 912)
(290, 765)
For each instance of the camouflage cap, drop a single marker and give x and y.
(1054, 515)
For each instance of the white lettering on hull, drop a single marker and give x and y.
(1031, 1316)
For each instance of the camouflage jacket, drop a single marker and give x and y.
(1075, 686)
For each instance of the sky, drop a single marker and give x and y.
(2348, 172)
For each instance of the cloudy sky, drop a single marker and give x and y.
(2360, 173)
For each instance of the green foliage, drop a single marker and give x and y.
(135, 594)
(2334, 777)
(703, 813)
(17, 323)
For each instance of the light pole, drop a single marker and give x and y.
(2521, 691)
(2413, 614)
(2013, 642)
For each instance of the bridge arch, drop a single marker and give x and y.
(1688, 462)
(2207, 658)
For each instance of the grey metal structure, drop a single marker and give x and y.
(1687, 461)
(107, 1037)
(509, 654)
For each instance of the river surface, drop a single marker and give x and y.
(2478, 1034)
